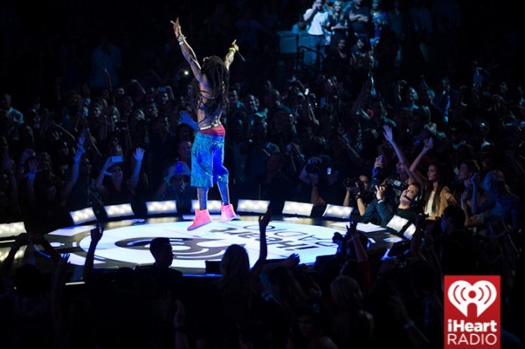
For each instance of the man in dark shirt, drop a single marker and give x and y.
(381, 212)
(359, 19)
(167, 279)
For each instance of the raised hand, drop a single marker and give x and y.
(234, 45)
(78, 154)
(26, 154)
(388, 133)
(96, 234)
(109, 162)
(33, 166)
(265, 220)
(177, 28)
(428, 144)
(139, 154)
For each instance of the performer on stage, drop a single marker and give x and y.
(207, 154)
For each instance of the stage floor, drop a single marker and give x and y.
(125, 243)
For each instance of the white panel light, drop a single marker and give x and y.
(214, 206)
(159, 207)
(335, 211)
(83, 216)
(123, 210)
(397, 223)
(253, 206)
(410, 231)
(11, 229)
(298, 208)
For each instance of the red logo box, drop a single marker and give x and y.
(472, 311)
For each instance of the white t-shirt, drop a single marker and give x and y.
(315, 27)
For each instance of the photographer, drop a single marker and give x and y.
(380, 211)
(323, 178)
(358, 193)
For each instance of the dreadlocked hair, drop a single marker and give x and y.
(218, 78)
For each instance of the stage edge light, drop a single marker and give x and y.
(335, 211)
(83, 216)
(159, 207)
(254, 206)
(115, 211)
(11, 229)
(297, 208)
(214, 206)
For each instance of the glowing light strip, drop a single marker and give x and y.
(298, 208)
(254, 206)
(123, 210)
(83, 216)
(10, 229)
(157, 207)
(214, 206)
(335, 211)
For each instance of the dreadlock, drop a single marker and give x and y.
(218, 78)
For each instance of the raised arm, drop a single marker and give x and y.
(228, 59)
(187, 51)
(428, 144)
(263, 247)
(133, 181)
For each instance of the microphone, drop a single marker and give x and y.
(240, 56)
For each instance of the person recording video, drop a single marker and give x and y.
(380, 211)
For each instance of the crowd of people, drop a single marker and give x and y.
(397, 121)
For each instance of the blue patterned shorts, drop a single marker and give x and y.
(207, 156)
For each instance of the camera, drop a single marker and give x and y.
(351, 183)
(397, 184)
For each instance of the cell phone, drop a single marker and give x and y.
(116, 159)
(328, 171)
(306, 91)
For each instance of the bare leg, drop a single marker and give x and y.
(202, 195)
(225, 192)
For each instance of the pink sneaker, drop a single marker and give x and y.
(227, 213)
(202, 217)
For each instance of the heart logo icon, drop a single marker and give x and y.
(461, 294)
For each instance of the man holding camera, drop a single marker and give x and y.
(380, 211)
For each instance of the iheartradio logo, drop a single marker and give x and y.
(461, 294)
(467, 329)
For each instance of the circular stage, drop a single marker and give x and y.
(125, 243)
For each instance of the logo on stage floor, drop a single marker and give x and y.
(472, 312)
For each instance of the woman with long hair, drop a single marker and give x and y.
(211, 86)
(437, 196)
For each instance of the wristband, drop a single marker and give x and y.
(30, 175)
(232, 49)
(106, 173)
(181, 39)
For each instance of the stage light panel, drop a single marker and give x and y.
(161, 207)
(214, 206)
(336, 211)
(11, 229)
(298, 208)
(83, 216)
(254, 206)
(123, 210)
